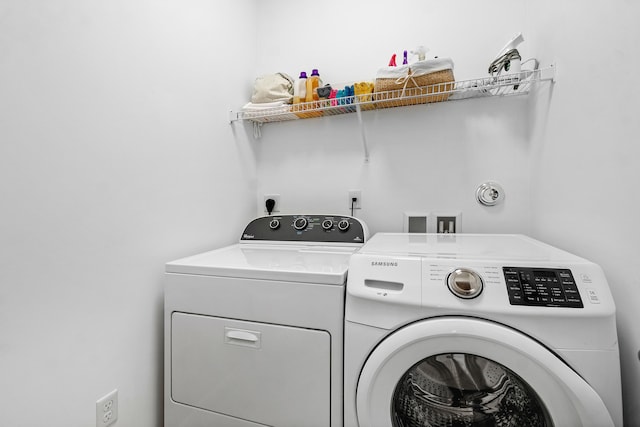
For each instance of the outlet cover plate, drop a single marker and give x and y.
(357, 194)
(107, 409)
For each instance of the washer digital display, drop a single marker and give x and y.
(547, 287)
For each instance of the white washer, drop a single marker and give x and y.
(254, 331)
(478, 330)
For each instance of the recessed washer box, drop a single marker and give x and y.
(415, 222)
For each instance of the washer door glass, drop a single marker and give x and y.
(457, 389)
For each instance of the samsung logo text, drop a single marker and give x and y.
(384, 264)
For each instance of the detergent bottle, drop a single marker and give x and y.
(300, 93)
(312, 95)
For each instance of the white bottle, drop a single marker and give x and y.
(300, 89)
(300, 94)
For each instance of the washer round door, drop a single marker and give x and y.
(470, 372)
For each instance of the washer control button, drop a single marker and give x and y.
(465, 283)
(327, 224)
(300, 223)
(274, 224)
(343, 225)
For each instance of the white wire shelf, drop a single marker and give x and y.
(503, 85)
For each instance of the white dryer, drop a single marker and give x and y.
(478, 330)
(254, 331)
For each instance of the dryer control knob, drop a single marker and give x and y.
(274, 224)
(465, 283)
(343, 225)
(327, 224)
(300, 223)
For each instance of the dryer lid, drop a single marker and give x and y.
(290, 263)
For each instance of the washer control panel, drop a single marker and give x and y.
(547, 287)
(306, 228)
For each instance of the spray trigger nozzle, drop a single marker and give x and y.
(421, 52)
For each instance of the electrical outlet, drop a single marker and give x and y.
(107, 409)
(276, 207)
(447, 223)
(355, 194)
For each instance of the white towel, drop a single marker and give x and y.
(262, 105)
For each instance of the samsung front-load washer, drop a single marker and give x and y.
(254, 331)
(478, 330)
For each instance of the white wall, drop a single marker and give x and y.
(423, 159)
(565, 156)
(585, 196)
(115, 156)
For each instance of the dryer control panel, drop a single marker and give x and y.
(547, 287)
(323, 229)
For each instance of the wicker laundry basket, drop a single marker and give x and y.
(418, 83)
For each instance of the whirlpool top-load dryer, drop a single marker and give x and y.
(478, 330)
(254, 331)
